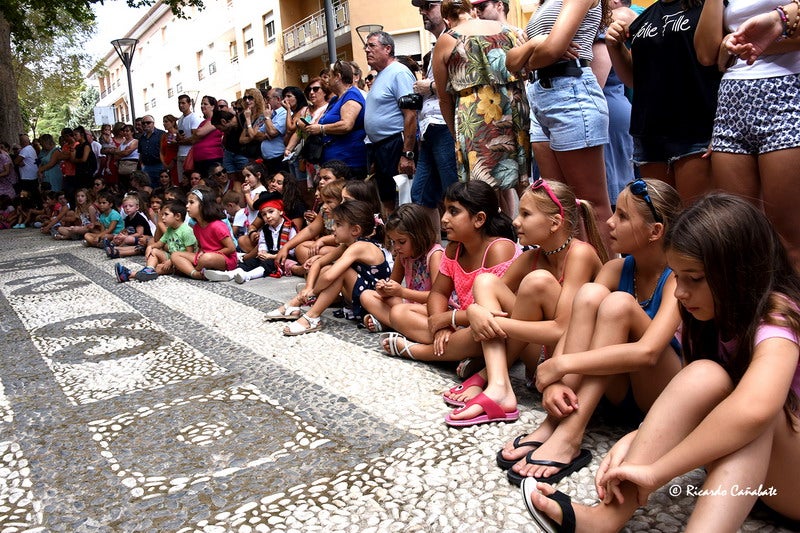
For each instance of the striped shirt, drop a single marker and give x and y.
(542, 22)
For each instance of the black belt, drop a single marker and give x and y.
(572, 69)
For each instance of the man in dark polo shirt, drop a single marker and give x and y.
(150, 150)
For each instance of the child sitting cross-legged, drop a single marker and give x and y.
(275, 232)
(354, 266)
(109, 218)
(127, 242)
(177, 237)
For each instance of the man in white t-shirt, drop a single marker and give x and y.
(26, 161)
(187, 123)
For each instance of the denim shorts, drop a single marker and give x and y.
(232, 162)
(571, 114)
(660, 150)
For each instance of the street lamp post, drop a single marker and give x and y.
(34, 122)
(125, 49)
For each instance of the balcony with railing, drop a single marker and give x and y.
(307, 37)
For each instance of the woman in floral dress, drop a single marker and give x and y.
(483, 103)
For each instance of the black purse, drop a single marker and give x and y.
(312, 149)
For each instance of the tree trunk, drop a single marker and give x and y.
(10, 119)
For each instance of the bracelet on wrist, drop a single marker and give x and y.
(453, 319)
(784, 20)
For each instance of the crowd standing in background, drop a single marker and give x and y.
(621, 275)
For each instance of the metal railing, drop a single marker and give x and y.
(312, 27)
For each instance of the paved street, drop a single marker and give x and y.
(170, 406)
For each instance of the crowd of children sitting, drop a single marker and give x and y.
(539, 289)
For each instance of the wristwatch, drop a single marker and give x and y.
(409, 155)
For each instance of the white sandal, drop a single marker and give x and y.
(296, 328)
(289, 312)
(391, 344)
(377, 327)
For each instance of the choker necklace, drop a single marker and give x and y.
(566, 243)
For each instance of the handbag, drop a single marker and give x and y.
(126, 167)
(312, 149)
(188, 162)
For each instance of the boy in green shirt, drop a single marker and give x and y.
(178, 237)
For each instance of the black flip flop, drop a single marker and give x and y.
(542, 520)
(583, 459)
(504, 463)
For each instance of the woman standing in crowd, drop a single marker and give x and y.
(674, 97)
(85, 162)
(206, 139)
(756, 139)
(569, 123)
(127, 155)
(49, 158)
(482, 101)
(342, 125)
(317, 94)
(169, 147)
(296, 106)
(8, 175)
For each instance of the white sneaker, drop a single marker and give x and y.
(218, 275)
(241, 277)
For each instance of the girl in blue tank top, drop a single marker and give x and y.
(619, 342)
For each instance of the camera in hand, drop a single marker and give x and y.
(410, 101)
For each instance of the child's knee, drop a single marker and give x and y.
(590, 295)
(617, 307)
(537, 283)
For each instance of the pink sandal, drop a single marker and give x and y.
(475, 380)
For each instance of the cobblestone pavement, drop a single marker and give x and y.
(171, 406)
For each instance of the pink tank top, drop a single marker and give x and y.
(462, 281)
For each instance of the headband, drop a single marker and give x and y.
(197, 193)
(274, 203)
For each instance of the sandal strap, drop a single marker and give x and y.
(312, 322)
(543, 462)
(519, 444)
(567, 512)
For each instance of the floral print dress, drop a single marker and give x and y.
(491, 110)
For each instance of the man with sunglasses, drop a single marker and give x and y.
(150, 150)
(436, 166)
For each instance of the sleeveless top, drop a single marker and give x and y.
(133, 155)
(651, 305)
(542, 23)
(418, 270)
(462, 281)
(368, 276)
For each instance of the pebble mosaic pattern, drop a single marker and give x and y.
(171, 406)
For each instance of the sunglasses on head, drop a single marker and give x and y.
(542, 184)
(639, 188)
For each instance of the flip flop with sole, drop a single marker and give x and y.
(504, 463)
(583, 459)
(544, 522)
(491, 413)
(475, 380)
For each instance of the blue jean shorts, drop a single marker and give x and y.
(232, 162)
(660, 150)
(571, 114)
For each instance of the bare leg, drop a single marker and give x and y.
(737, 174)
(584, 170)
(692, 177)
(536, 300)
(620, 319)
(694, 393)
(779, 190)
